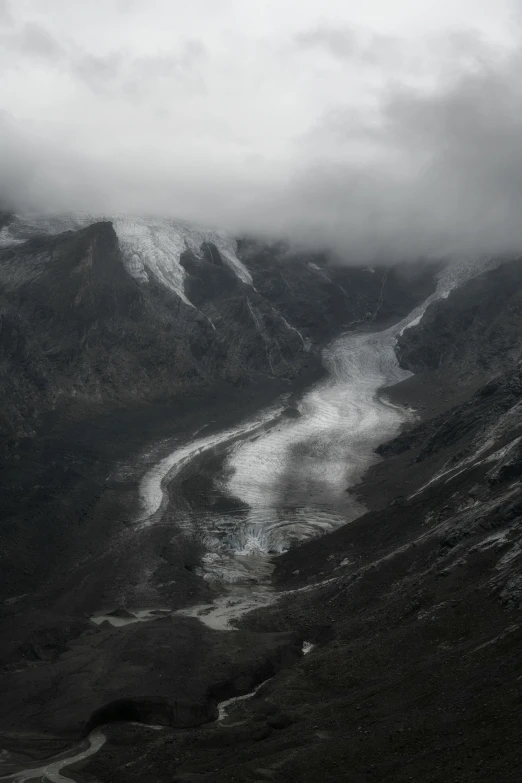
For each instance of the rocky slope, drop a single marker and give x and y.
(414, 607)
(321, 297)
(474, 333)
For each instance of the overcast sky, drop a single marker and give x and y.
(386, 128)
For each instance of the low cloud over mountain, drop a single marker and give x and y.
(383, 136)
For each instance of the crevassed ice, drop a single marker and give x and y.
(152, 247)
(152, 485)
(294, 477)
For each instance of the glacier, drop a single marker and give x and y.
(151, 246)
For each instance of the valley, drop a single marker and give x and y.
(236, 502)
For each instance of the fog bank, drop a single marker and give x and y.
(381, 134)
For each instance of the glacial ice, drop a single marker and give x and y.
(151, 246)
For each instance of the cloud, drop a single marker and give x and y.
(340, 42)
(37, 41)
(345, 43)
(323, 126)
(436, 173)
(5, 13)
(28, 43)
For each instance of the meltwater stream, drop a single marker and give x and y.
(51, 770)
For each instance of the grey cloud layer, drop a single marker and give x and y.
(446, 174)
(5, 13)
(319, 134)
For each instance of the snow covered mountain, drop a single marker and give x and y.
(107, 315)
(151, 247)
